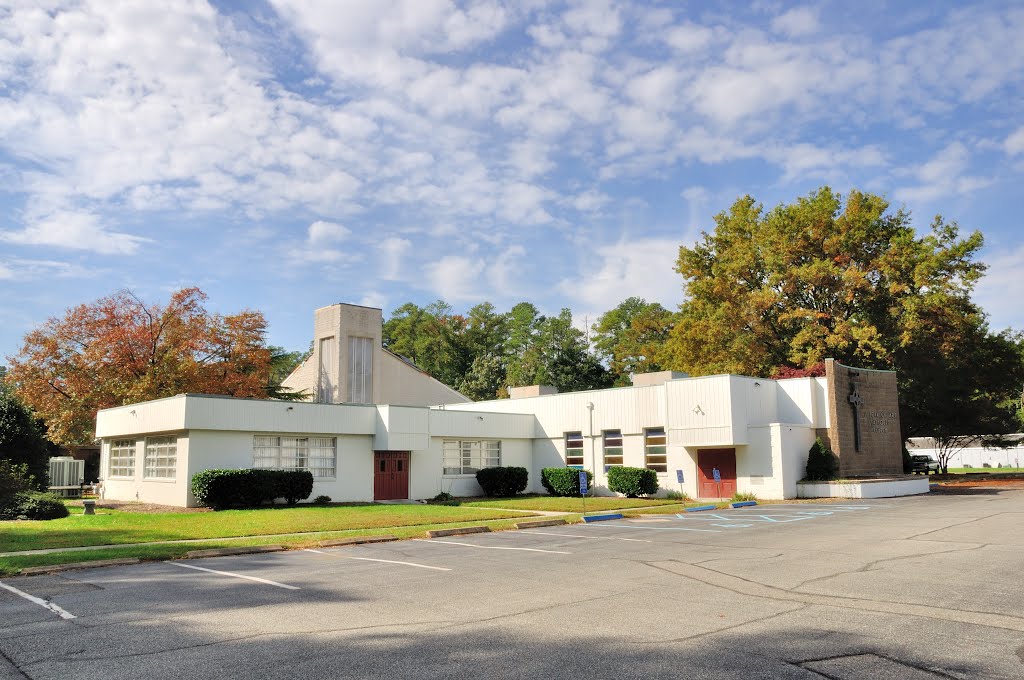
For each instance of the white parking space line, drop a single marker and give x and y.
(489, 547)
(596, 538)
(646, 528)
(231, 573)
(373, 559)
(45, 604)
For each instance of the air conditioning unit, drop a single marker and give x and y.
(67, 476)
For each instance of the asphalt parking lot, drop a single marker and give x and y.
(920, 587)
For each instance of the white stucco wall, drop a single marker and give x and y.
(138, 488)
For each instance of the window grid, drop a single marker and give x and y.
(360, 370)
(467, 457)
(612, 448)
(655, 452)
(574, 449)
(161, 460)
(316, 454)
(122, 458)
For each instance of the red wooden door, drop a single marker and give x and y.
(390, 475)
(707, 461)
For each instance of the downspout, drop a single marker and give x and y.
(593, 451)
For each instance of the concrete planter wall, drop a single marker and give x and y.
(864, 488)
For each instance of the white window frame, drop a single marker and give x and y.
(160, 461)
(651, 449)
(571, 441)
(360, 370)
(610, 448)
(318, 455)
(466, 457)
(121, 459)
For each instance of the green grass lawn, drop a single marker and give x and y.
(116, 527)
(558, 504)
(166, 551)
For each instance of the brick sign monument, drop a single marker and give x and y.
(864, 420)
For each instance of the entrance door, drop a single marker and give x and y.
(707, 461)
(390, 475)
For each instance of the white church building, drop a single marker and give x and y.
(378, 428)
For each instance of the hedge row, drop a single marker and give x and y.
(563, 481)
(502, 481)
(32, 505)
(250, 488)
(632, 481)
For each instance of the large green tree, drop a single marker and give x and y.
(630, 338)
(848, 279)
(22, 440)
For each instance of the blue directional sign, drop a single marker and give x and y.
(583, 482)
(679, 476)
(718, 475)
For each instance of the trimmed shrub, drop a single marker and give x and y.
(32, 505)
(561, 481)
(220, 489)
(322, 500)
(632, 482)
(822, 464)
(292, 485)
(502, 481)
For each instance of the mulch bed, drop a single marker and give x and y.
(135, 506)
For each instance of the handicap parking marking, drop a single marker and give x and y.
(45, 604)
(234, 575)
(375, 559)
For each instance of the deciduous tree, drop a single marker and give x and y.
(823, 277)
(630, 338)
(120, 350)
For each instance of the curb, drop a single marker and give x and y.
(49, 569)
(357, 540)
(221, 552)
(438, 533)
(601, 518)
(540, 523)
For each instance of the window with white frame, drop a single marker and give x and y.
(612, 448)
(121, 462)
(319, 455)
(655, 452)
(161, 461)
(574, 449)
(466, 457)
(360, 370)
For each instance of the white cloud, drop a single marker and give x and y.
(689, 37)
(78, 231)
(999, 291)
(392, 257)
(944, 175)
(632, 266)
(797, 22)
(1014, 144)
(456, 278)
(6, 272)
(321, 233)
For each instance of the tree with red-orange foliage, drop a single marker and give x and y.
(120, 350)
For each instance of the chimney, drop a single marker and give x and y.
(531, 391)
(657, 378)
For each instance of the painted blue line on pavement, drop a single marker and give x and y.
(602, 518)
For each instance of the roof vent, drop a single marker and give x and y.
(531, 391)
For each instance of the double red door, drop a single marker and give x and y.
(707, 461)
(390, 475)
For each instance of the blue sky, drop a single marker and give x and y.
(290, 154)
